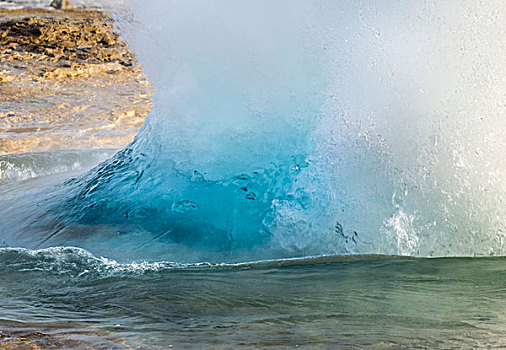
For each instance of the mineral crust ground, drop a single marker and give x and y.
(67, 81)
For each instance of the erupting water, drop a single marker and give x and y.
(295, 128)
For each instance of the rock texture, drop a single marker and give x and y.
(57, 336)
(62, 4)
(84, 39)
(67, 81)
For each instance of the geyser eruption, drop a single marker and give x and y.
(293, 128)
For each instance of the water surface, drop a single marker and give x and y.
(391, 303)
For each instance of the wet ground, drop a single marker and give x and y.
(67, 81)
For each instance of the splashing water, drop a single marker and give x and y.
(296, 128)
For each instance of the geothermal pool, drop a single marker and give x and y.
(312, 174)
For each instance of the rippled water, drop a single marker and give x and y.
(360, 302)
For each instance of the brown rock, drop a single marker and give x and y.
(67, 81)
(62, 4)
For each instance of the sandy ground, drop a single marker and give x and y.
(67, 81)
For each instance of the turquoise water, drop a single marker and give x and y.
(302, 128)
(284, 130)
(363, 303)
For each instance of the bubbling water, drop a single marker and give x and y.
(312, 127)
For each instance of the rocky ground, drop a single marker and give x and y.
(67, 81)
(58, 336)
